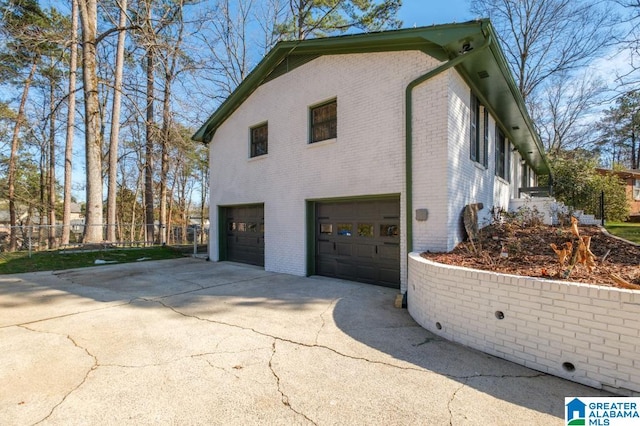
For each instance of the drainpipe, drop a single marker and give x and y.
(409, 131)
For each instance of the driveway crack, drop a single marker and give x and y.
(82, 382)
(335, 351)
(329, 306)
(453, 396)
(284, 397)
(102, 308)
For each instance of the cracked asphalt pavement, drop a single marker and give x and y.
(186, 341)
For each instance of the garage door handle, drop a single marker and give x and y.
(376, 249)
(334, 246)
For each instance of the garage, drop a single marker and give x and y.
(359, 240)
(244, 237)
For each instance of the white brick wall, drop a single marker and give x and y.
(546, 323)
(446, 187)
(367, 158)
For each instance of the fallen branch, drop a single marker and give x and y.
(624, 283)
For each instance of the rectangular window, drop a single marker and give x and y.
(475, 127)
(525, 175)
(485, 140)
(259, 140)
(636, 189)
(479, 137)
(502, 155)
(324, 121)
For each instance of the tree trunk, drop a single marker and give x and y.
(71, 111)
(52, 169)
(13, 236)
(93, 141)
(115, 127)
(148, 165)
(203, 198)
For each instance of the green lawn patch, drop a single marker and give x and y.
(627, 230)
(19, 262)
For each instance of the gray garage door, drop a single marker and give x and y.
(359, 241)
(245, 234)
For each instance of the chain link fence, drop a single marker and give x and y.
(50, 237)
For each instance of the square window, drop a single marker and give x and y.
(324, 122)
(259, 140)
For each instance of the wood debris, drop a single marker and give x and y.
(624, 283)
(574, 227)
(564, 253)
(585, 257)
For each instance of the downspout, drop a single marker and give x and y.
(409, 131)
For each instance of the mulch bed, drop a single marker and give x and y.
(529, 254)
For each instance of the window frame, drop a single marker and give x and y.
(313, 125)
(253, 143)
(503, 154)
(474, 127)
(485, 144)
(479, 132)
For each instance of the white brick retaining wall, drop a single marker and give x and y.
(585, 333)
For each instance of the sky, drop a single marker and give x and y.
(421, 13)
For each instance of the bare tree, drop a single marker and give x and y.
(544, 38)
(71, 114)
(92, 121)
(227, 40)
(562, 111)
(114, 135)
(629, 41)
(268, 16)
(171, 56)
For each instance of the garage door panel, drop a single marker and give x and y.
(365, 251)
(391, 252)
(345, 270)
(367, 273)
(325, 247)
(388, 276)
(245, 234)
(359, 240)
(344, 249)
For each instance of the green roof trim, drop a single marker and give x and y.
(487, 74)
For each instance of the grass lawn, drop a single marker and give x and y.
(628, 231)
(18, 262)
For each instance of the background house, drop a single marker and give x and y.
(631, 180)
(340, 156)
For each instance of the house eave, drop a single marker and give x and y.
(495, 85)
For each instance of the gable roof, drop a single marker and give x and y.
(488, 74)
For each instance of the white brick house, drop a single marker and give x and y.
(339, 156)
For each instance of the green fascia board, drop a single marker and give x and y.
(498, 91)
(490, 77)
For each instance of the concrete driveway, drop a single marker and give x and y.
(191, 342)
